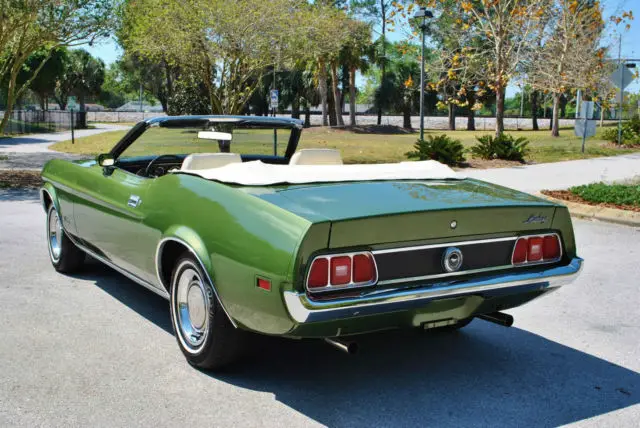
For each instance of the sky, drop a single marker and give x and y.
(109, 51)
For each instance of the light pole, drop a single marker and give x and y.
(424, 14)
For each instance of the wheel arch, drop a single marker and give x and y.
(175, 242)
(48, 196)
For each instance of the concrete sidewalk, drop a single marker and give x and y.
(39, 143)
(561, 175)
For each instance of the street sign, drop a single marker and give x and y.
(274, 96)
(622, 77)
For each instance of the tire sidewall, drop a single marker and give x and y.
(193, 356)
(56, 263)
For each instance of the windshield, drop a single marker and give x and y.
(213, 138)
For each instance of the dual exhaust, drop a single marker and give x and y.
(351, 348)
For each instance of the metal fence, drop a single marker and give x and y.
(29, 122)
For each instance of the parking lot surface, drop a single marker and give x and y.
(96, 349)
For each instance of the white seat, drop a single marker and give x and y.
(199, 161)
(316, 157)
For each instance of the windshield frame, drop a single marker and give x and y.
(294, 125)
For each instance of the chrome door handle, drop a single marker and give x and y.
(134, 201)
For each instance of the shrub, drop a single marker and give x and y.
(630, 132)
(440, 148)
(619, 194)
(504, 147)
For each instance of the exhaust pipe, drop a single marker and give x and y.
(348, 347)
(499, 318)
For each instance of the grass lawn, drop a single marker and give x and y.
(361, 147)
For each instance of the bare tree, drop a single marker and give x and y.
(570, 55)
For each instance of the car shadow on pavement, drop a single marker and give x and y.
(484, 375)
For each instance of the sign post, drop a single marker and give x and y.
(585, 126)
(274, 96)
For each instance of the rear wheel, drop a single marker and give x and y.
(205, 335)
(64, 255)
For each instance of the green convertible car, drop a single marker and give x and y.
(242, 233)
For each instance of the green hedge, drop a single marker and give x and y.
(619, 194)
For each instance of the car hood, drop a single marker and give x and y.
(351, 200)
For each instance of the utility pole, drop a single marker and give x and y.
(424, 14)
(621, 90)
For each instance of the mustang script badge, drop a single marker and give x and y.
(535, 219)
(452, 259)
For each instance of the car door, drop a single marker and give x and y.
(110, 215)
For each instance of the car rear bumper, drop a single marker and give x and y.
(304, 310)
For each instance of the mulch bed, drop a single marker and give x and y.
(485, 164)
(17, 179)
(566, 195)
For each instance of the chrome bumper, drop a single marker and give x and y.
(304, 310)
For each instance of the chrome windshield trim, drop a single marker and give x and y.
(442, 245)
(304, 310)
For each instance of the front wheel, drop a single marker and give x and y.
(64, 255)
(205, 335)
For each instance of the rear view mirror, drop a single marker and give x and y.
(214, 135)
(106, 160)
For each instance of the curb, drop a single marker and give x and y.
(592, 212)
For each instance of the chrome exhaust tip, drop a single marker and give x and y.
(350, 348)
(499, 318)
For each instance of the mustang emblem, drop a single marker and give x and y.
(535, 219)
(452, 259)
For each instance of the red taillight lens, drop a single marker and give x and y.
(535, 249)
(363, 268)
(520, 251)
(340, 270)
(531, 249)
(551, 247)
(319, 273)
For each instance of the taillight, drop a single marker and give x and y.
(319, 273)
(342, 271)
(536, 249)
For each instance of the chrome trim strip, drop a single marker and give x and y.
(304, 310)
(445, 244)
(160, 292)
(192, 251)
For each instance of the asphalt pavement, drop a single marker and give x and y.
(95, 349)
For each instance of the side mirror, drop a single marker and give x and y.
(106, 160)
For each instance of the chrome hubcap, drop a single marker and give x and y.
(55, 235)
(192, 309)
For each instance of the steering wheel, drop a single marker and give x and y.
(155, 160)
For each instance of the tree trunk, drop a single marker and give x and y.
(471, 114)
(322, 86)
(555, 120)
(406, 116)
(601, 116)
(295, 107)
(165, 106)
(452, 117)
(307, 116)
(11, 92)
(352, 96)
(336, 94)
(499, 109)
(332, 109)
(534, 111)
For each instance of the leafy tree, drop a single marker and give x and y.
(27, 26)
(43, 84)
(82, 76)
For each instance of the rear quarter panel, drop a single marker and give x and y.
(239, 238)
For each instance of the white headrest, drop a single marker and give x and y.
(209, 160)
(316, 157)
